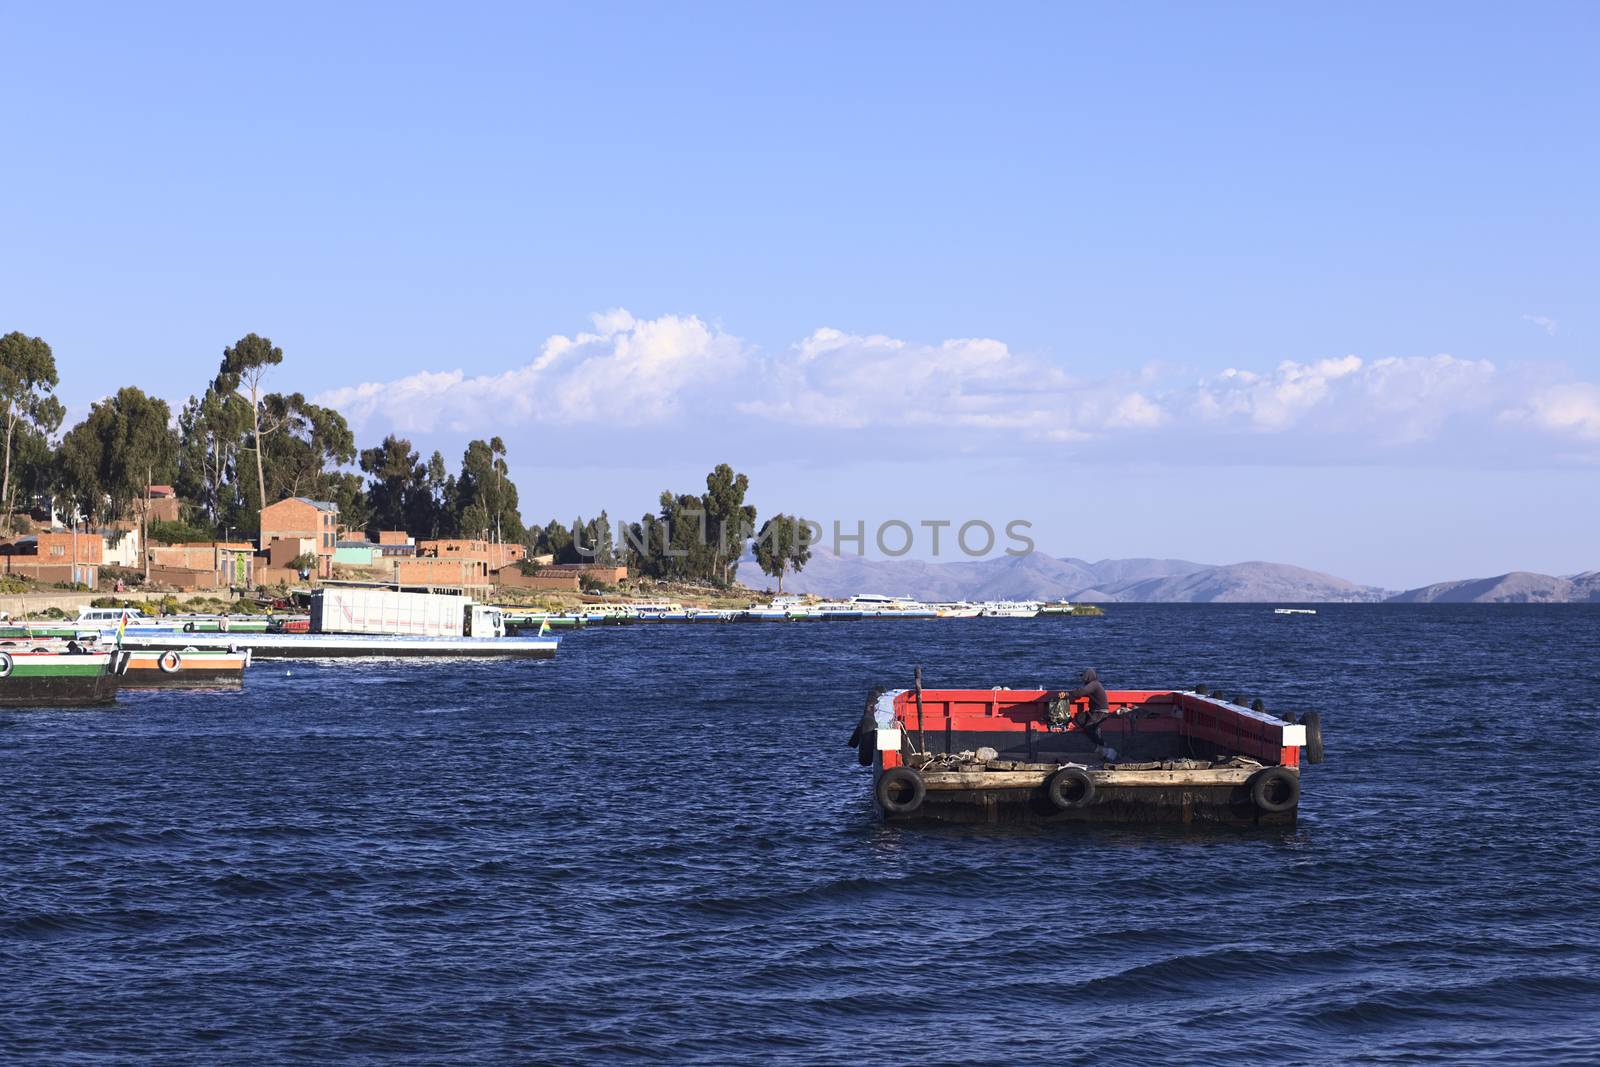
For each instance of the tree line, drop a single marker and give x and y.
(236, 446)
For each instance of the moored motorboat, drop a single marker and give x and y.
(714, 615)
(877, 606)
(782, 608)
(1010, 609)
(989, 755)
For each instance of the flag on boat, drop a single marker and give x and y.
(544, 626)
(122, 625)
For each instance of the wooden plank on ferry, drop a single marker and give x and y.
(1034, 779)
(1213, 776)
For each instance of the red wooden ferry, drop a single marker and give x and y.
(992, 755)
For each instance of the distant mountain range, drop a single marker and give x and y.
(1518, 587)
(1040, 577)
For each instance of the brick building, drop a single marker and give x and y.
(441, 570)
(496, 554)
(545, 581)
(395, 543)
(56, 556)
(204, 565)
(163, 503)
(299, 520)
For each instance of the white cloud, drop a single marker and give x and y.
(1399, 399)
(849, 381)
(1569, 409)
(630, 370)
(1544, 322)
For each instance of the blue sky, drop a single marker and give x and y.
(1231, 283)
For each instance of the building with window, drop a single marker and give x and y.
(56, 556)
(299, 519)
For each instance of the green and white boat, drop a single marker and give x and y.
(51, 678)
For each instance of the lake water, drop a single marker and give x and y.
(657, 848)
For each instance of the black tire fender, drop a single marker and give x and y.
(863, 724)
(891, 786)
(866, 746)
(5, 664)
(1070, 787)
(1275, 789)
(1313, 724)
(188, 627)
(170, 662)
(865, 736)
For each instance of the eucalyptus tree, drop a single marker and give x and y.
(242, 374)
(434, 502)
(394, 476)
(729, 522)
(211, 429)
(310, 445)
(784, 544)
(27, 402)
(123, 443)
(485, 494)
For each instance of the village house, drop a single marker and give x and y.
(352, 552)
(396, 543)
(307, 526)
(164, 505)
(606, 575)
(470, 574)
(496, 554)
(204, 565)
(542, 581)
(122, 544)
(71, 555)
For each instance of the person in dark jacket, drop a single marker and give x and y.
(1099, 711)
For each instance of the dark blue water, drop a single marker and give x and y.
(658, 848)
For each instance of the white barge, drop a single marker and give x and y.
(343, 646)
(364, 621)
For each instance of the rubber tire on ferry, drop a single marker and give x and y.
(177, 662)
(5, 664)
(1261, 787)
(1313, 724)
(1070, 787)
(862, 725)
(897, 776)
(864, 738)
(188, 627)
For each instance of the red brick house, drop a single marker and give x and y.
(495, 554)
(301, 519)
(56, 556)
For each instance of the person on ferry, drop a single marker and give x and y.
(1089, 721)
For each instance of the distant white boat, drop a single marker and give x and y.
(1011, 609)
(782, 609)
(1294, 611)
(875, 606)
(958, 610)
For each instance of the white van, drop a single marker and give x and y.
(110, 618)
